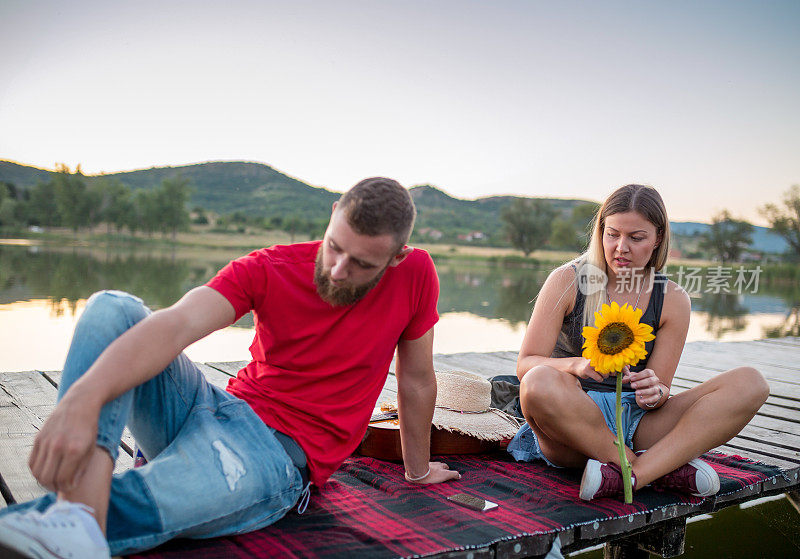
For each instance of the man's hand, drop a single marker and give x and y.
(63, 446)
(439, 472)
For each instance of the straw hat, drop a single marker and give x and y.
(463, 405)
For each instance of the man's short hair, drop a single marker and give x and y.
(379, 206)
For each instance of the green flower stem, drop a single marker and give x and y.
(624, 465)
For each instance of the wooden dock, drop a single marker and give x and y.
(772, 437)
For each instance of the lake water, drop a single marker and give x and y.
(483, 307)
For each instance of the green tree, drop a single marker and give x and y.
(43, 206)
(145, 216)
(115, 203)
(91, 210)
(293, 225)
(316, 228)
(527, 223)
(564, 235)
(583, 217)
(199, 216)
(572, 233)
(727, 237)
(172, 197)
(785, 221)
(71, 197)
(8, 207)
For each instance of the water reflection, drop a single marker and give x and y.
(790, 326)
(64, 277)
(725, 312)
(490, 291)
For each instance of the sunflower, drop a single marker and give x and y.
(616, 339)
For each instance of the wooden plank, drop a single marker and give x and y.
(485, 365)
(35, 392)
(779, 342)
(386, 396)
(779, 412)
(774, 404)
(782, 373)
(691, 376)
(749, 444)
(229, 367)
(779, 425)
(127, 443)
(773, 355)
(794, 499)
(33, 397)
(214, 375)
(773, 351)
(389, 392)
(18, 427)
(778, 439)
(613, 526)
(31, 390)
(703, 371)
(776, 427)
(511, 355)
(768, 458)
(737, 356)
(772, 437)
(525, 546)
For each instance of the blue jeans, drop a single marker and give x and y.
(215, 468)
(524, 447)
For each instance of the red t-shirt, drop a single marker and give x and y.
(317, 370)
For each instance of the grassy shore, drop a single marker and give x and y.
(203, 239)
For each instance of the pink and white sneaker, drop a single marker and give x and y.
(696, 478)
(602, 479)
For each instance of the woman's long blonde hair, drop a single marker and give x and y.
(644, 200)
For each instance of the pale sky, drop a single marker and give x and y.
(566, 99)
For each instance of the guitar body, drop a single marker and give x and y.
(382, 441)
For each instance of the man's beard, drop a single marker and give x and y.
(340, 296)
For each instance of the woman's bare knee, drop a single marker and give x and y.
(752, 386)
(542, 389)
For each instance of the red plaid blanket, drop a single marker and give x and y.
(366, 510)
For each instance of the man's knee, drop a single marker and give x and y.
(109, 305)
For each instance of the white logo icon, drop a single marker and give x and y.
(591, 279)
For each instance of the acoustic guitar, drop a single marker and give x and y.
(382, 441)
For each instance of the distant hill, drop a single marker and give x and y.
(222, 187)
(259, 190)
(438, 210)
(764, 239)
(22, 175)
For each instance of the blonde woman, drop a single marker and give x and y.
(569, 407)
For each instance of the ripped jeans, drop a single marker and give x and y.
(214, 468)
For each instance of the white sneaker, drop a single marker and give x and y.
(64, 531)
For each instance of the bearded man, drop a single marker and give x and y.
(329, 316)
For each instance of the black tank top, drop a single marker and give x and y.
(570, 338)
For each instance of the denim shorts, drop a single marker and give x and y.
(524, 447)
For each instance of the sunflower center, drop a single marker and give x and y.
(614, 337)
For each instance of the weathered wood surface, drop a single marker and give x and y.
(773, 436)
